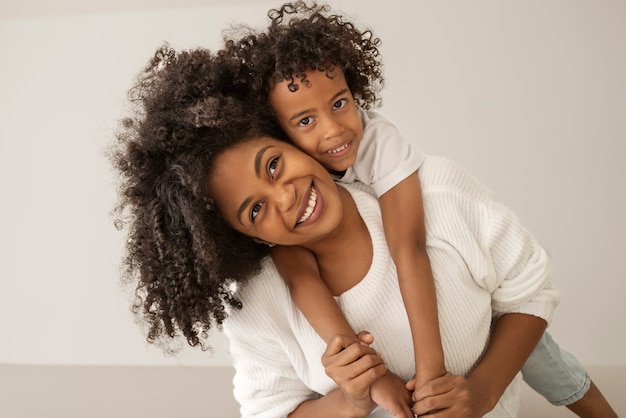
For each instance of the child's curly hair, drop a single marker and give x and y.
(180, 254)
(302, 37)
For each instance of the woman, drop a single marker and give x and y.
(210, 187)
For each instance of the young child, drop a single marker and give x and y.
(320, 75)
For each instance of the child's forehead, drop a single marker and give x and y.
(304, 78)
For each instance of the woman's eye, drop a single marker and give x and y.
(272, 166)
(305, 122)
(339, 104)
(255, 211)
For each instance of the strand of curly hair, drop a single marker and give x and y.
(189, 106)
(181, 256)
(301, 37)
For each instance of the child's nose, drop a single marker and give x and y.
(332, 128)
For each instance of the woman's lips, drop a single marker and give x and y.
(311, 207)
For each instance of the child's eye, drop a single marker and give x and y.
(255, 211)
(305, 122)
(339, 104)
(271, 168)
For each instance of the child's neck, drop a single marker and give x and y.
(337, 174)
(345, 256)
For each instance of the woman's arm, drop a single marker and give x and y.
(514, 338)
(516, 271)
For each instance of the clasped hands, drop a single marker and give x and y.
(365, 382)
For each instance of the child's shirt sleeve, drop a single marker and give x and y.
(385, 157)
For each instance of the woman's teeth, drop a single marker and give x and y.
(309, 210)
(336, 150)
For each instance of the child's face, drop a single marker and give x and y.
(275, 193)
(321, 118)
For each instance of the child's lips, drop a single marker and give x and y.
(340, 150)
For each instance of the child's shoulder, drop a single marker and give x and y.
(373, 120)
(380, 135)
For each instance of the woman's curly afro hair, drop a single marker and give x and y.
(181, 257)
(302, 37)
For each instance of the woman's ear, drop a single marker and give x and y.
(260, 241)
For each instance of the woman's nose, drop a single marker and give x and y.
(285, 196)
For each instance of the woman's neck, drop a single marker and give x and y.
(344, 257)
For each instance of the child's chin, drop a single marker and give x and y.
(340, 167)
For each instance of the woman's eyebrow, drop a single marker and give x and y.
(257, 169)
(243, 207)
(258, 158)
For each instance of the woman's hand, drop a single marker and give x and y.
(354, 367)
(448, 396)
(389, 392)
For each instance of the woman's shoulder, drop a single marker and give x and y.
(262, 296)
(364, 197)
(440, 174)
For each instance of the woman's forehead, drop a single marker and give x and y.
(240, 163)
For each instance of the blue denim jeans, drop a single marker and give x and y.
(555, 374)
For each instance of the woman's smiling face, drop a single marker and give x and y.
(273, 192)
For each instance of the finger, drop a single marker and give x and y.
(347, 371)
(432, 407)
(352, 353)
(445, 404)
(365, 337)
(437, 386)
(359, 388)
(366, 378)
(410, 385)
(338, 343)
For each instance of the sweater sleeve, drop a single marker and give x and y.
(504, 258)
(523, 268)
(266, 383)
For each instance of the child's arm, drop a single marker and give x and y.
(403, 220)
(298, 268)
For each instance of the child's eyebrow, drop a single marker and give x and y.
(340, 93)
(299, 114)
(332, 99)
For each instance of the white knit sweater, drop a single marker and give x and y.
(484, 263)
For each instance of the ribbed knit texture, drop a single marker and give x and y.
(484, 262)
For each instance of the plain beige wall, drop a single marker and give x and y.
(529, 95)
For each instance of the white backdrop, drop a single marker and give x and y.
(529, 95)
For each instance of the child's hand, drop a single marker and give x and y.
(389, 392)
